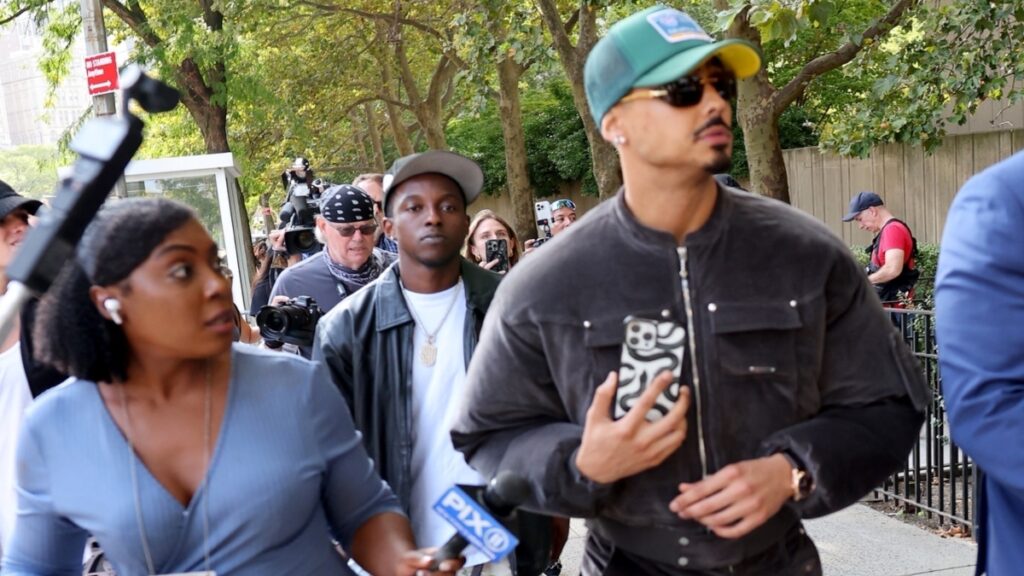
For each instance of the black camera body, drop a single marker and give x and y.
(293, 322)
(302, 204)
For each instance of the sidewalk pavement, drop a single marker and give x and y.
(857, 541)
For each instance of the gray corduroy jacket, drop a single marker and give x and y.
(790, 351)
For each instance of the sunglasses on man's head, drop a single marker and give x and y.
(350, 231)
(688, 90)
(563, 203)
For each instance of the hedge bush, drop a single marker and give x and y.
(927, 261)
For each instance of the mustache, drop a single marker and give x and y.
(712, 122)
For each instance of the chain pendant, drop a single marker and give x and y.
(428, 354)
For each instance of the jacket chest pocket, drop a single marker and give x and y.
(755, 347)
(602, 338)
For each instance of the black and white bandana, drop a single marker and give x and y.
(346, 203)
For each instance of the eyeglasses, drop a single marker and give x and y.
(563, 203)
(687, 91)
(350, 231)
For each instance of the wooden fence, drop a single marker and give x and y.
(917, 187)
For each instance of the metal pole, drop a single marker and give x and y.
(95, 33)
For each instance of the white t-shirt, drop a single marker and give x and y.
(436, 392)
(15, 397)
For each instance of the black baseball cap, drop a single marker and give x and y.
(11, 201)
(465, 172)
(861, 202)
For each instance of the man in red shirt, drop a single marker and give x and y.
(891, 268)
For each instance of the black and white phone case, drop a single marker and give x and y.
(649, 348)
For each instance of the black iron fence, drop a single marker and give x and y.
(939, 481)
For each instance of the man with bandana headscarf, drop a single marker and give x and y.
(349, 261)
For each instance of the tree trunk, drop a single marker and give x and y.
(428, 110)
(398, 132)
(374, 133)
(758, 114)
(604, 158)
(197, 98)
(519, 190)
(213, 124)
(764, 154)
(394, 113)
(360, 138)
(431, 121)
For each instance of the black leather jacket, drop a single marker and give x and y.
(792, 352)
(366, 342)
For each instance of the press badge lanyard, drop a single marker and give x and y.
(132, 464)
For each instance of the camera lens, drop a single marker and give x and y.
(305, 240)
(272, 319)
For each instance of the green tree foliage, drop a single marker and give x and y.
(802, 40)
(556, 145)
(29, 169)
(945, 61)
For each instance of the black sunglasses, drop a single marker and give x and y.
(687, 91)
(350, 231)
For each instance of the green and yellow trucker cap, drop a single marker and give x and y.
(655, 47)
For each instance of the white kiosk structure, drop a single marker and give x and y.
(209, 184)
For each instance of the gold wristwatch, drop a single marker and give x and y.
(802, 484)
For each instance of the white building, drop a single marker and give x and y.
(25, 117)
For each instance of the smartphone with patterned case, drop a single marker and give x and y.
(497, 249)
(649, 348)
(542, 212)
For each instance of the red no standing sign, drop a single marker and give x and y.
(101, 73)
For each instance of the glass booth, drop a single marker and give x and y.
(209, 184)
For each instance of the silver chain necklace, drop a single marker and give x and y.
(132, 464)
(428, 354)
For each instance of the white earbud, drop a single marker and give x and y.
(113, 306)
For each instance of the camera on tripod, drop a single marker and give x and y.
(293, 322)
(302, 204)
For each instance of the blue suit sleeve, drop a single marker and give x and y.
(43, 542)
(979, 298)
(353, 492)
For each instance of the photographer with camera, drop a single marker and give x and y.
(345, 226)
(301, 205)
(295, 178)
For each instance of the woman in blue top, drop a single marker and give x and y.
(178, 452)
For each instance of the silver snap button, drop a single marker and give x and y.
(586, 323)
(712, 307)
(683, 561)
(684, 541)
(665, 313)
(792, 303)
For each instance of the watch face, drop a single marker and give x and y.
(802, 484)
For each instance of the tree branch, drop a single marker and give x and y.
(828, 62)
(553, 20)
(440, 79)
(375, 16)
(136, 19)
(405, 72)
(571, 22)
(21, 11)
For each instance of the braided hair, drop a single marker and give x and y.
(71, 333)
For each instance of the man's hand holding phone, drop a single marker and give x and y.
(615, 449)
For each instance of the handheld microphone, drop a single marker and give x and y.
(478, 523)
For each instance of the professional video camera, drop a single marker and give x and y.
(302, 203)
(293, 322)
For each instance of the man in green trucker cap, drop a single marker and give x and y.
(692, 368)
